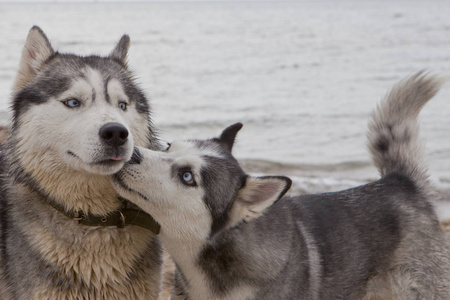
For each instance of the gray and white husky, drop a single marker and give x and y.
(235, 236)
(75, 122)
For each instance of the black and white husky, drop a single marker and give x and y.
(75, 122)
(235, 236)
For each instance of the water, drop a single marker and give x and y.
(303, 77)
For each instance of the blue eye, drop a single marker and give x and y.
(122, 105)
(72, 103)
(188, 178)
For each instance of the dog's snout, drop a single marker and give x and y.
(114, 134)
(136, 158)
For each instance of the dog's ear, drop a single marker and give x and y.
(36, 51)
(229, 135)
(120, 52)
(256, 196)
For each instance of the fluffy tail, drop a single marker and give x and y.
(394, 130)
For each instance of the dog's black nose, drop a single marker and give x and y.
(136, 158)
(114, 134)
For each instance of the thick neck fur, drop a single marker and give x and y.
(225, 266)
(184, 244)
(75, 190)
(185, 254)
(90, 262)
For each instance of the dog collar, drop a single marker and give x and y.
(119, 218)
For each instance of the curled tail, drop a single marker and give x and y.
(394, 130)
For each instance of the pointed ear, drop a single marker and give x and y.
(120, 52)
(36, 51)
(229, 135)
(256, 196)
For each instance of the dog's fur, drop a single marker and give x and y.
(60, 150)
(232, 237)
(4, 134)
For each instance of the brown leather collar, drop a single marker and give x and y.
(119, 218)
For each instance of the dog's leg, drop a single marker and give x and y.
(406, 287)
(418, 282)
(378, 289)
(405, 283)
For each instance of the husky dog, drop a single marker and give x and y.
(234, 236)
(75, 122)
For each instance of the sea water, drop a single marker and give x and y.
(302, 76)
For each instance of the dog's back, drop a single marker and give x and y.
(356, 232)
(377, 241)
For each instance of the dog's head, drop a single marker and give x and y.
(197, 188)
(80, 113)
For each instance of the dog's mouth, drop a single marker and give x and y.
(112, 160)
(106, 164)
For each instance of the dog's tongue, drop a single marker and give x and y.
(116, 158)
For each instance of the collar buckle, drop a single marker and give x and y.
(122, 219)
(79, 217)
